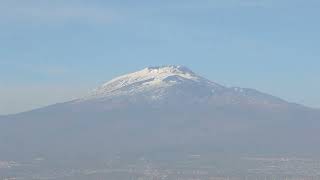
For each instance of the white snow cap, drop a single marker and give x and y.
(151, 75)
(169, 69)
(147, 79)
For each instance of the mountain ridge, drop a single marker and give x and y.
(158, 79)
(188, 112)
(175, 83)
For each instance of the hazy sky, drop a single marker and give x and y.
(55, 50)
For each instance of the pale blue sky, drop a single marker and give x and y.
(55, 50)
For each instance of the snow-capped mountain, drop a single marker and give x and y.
(175, 84)
(167, 107)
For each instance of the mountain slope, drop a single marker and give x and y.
(160, 108)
